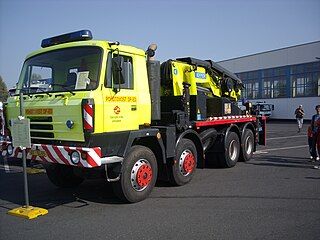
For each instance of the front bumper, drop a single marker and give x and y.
(89, 157)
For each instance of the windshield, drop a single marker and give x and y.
(62, 70)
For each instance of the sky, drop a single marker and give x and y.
(204, 29)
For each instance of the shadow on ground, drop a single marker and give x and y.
(282, 161)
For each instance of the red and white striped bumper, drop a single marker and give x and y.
(89, 157)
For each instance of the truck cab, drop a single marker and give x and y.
(69, 91)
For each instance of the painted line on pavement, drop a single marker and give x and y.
(287, 137)
(276, 149)
(6, 165)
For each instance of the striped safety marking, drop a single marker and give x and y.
(87, 116)
(211, 121)
(2, 123)
(59, 154)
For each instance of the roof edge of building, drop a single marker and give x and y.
(278, 49)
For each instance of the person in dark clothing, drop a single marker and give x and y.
(315, 128)
(299, 116)
(310, 141)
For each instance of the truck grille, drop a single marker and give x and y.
(41, 127)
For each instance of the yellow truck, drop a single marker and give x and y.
(104, 109)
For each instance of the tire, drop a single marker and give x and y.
(208, 137)
(212, 160)
(185, 162)
(247, 145)
(138, 175)
(230, 156)
(62, 175)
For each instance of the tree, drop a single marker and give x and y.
(3, 91)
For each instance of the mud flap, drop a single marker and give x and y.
(262, 131)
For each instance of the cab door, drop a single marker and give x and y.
(120, 94)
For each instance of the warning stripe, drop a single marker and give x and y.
(57, 151)
(43, 159)
(86, 125)
(98, 151)
(87, 116)
(88, 108)
(91, 161)
(52, 158)
(60, 154)
(53, 154)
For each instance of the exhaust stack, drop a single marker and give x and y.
(153, 68)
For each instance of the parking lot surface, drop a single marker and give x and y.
(274, 196)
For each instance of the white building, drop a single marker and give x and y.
(285, 77)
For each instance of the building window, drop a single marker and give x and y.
(274, 87)
(304, 85)
(266, 89)
(251, 90)
(251, 83)
(279, 87)
(301, 80)
(316, 78)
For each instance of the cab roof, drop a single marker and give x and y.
(104, 44)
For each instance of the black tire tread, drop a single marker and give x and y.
(175, 177)
(123, 188)
(244, 157)
(62, 176)
(224, 159)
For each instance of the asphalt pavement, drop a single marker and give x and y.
(274, 196)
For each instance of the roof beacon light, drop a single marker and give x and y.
(68, 37)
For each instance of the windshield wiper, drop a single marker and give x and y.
(25, 91)
(43, 91)
(63, 86)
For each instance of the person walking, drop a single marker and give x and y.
(315, 128)
(299, 116)
(310, 142)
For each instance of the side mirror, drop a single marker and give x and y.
(117, 63)
(117, 72)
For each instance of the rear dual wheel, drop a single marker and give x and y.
(230, 156)
(247, 145)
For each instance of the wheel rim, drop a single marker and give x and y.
(248, 145)
(141, 175)
(187, 162)
(233, 150)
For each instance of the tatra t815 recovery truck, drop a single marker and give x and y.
(103, 109)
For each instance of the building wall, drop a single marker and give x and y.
(286, 78)
(287, 56)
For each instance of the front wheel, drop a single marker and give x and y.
(229, 157)
(62, 176)
(185, 162)
(138, 175)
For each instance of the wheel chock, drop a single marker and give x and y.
(28, 212)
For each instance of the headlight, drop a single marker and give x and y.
(9, 149)
(75, 157)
